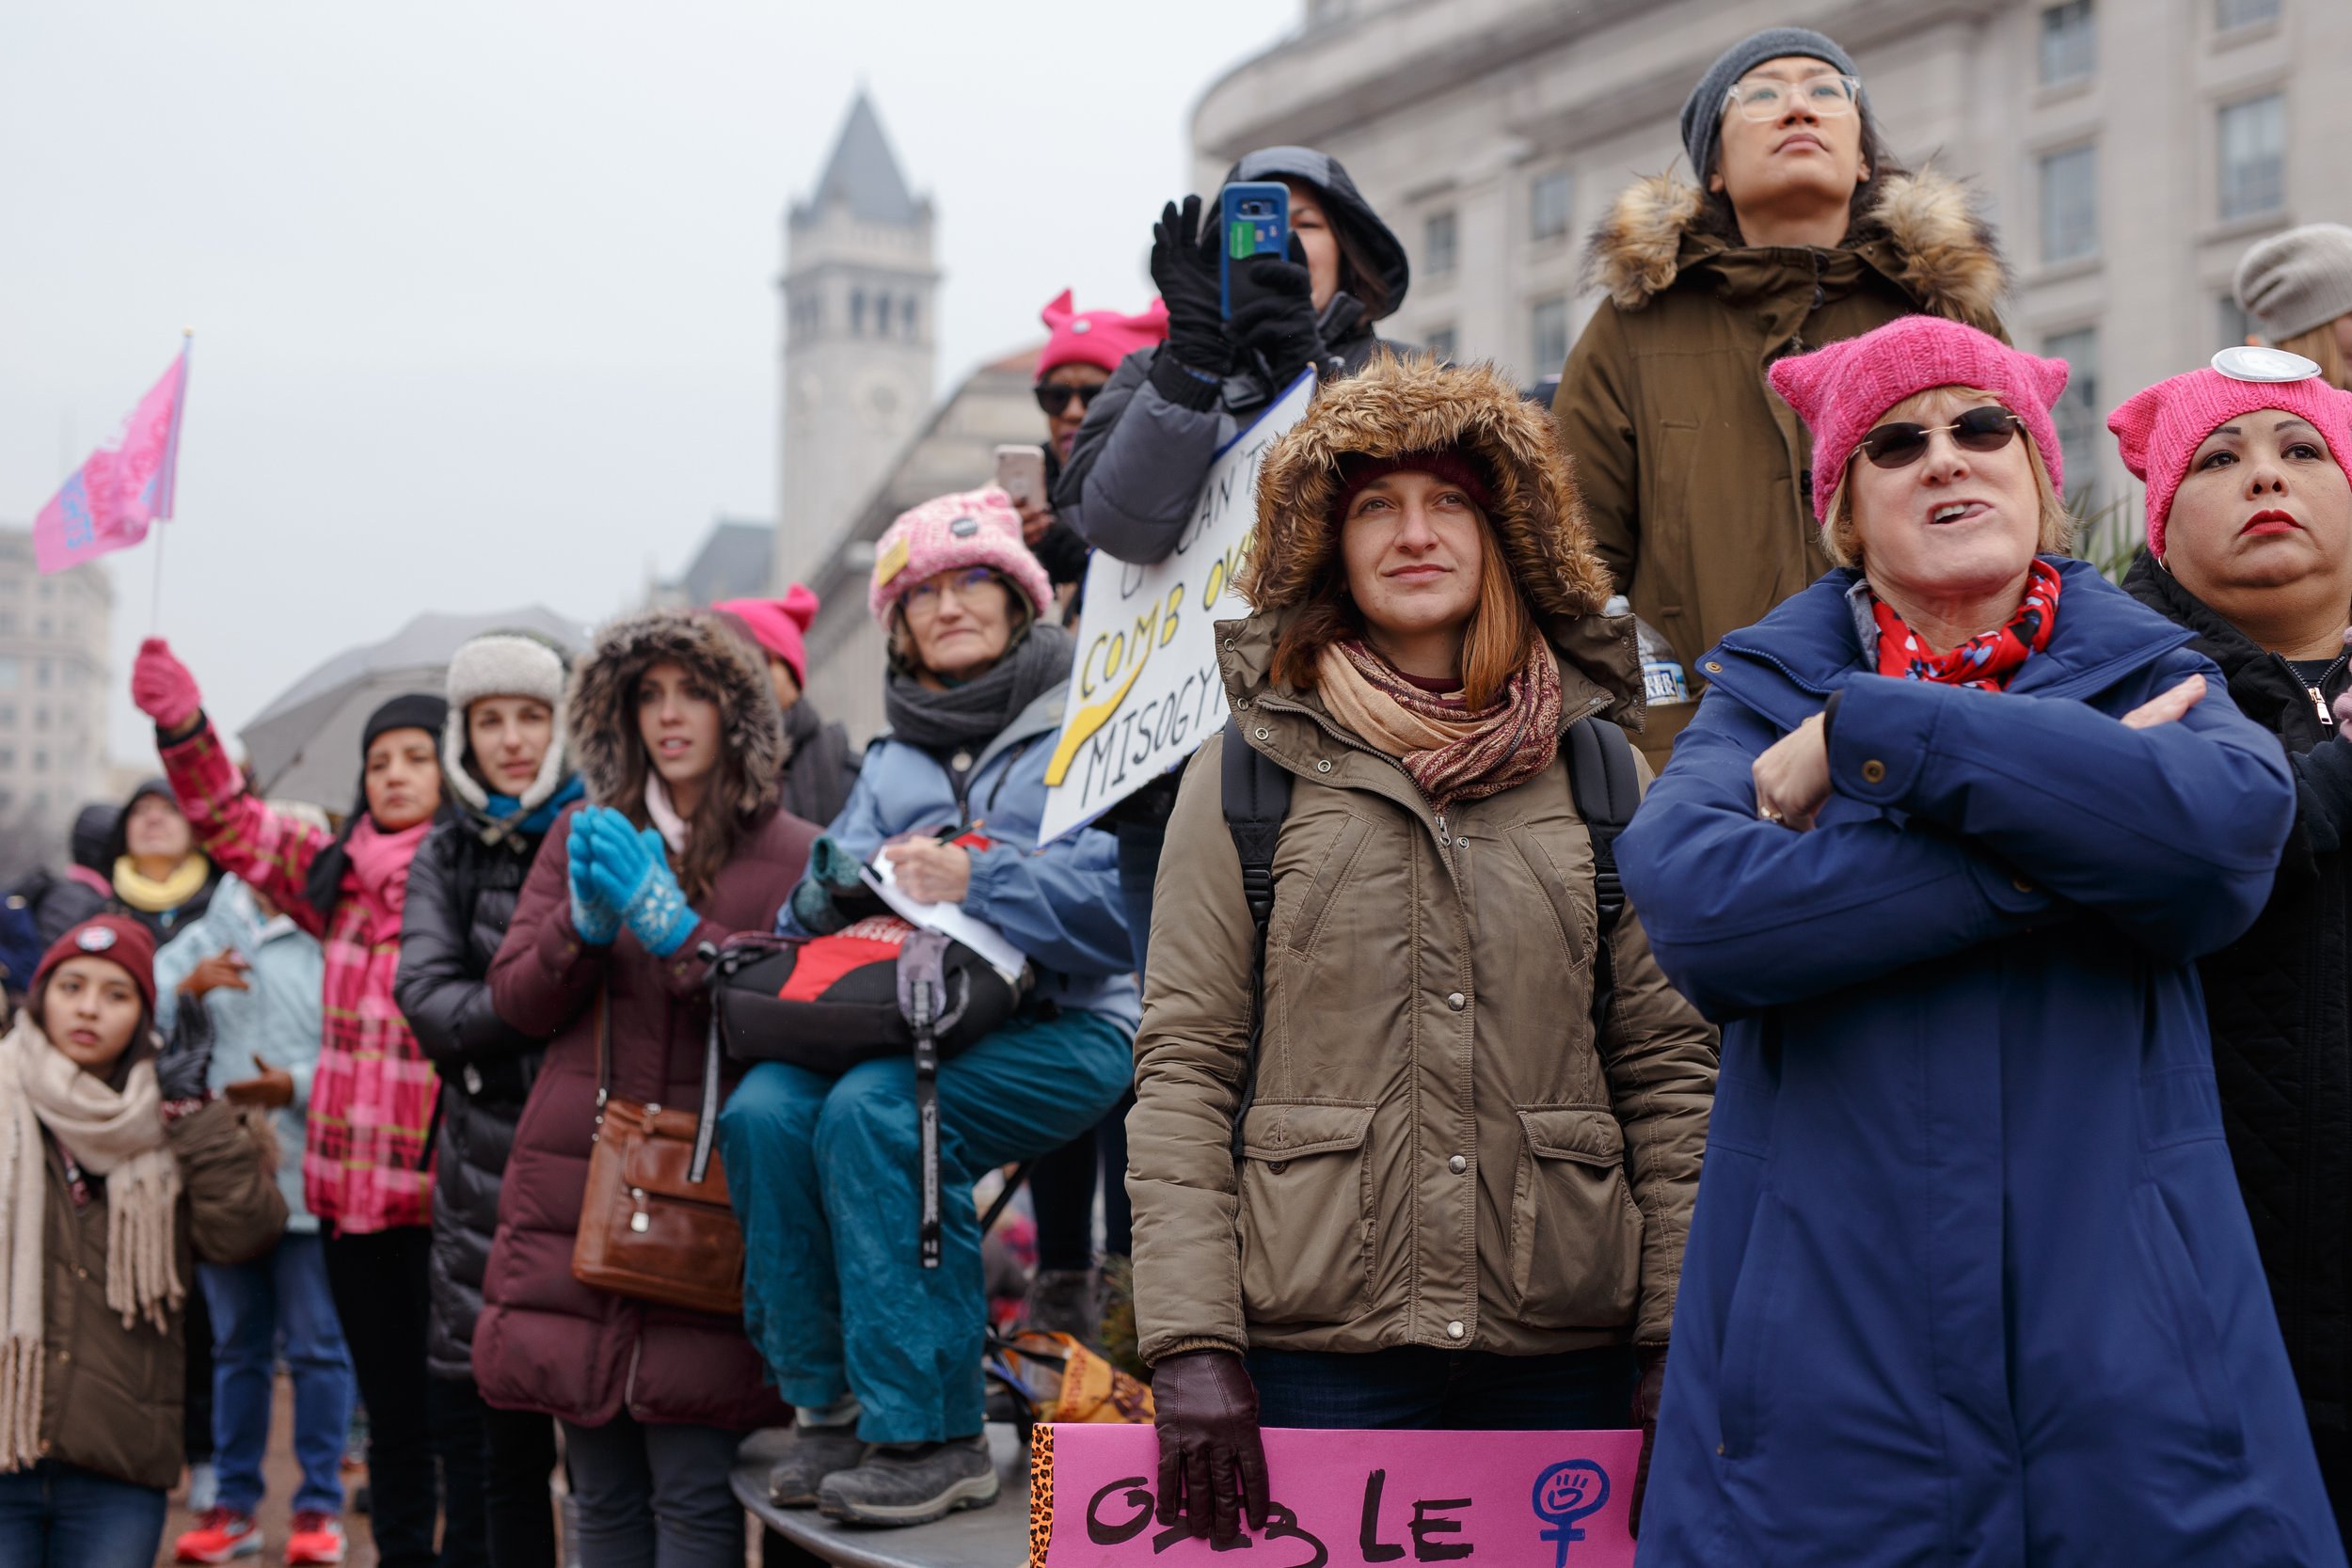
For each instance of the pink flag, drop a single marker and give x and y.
(125, 485)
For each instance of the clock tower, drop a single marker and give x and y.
(860, 291)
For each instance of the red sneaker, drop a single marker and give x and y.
(221, 1535)
(316, 1537)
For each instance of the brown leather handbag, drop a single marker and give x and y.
(655, 1224)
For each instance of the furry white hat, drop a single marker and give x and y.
(503, 664)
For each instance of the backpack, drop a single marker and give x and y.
(1257, 797)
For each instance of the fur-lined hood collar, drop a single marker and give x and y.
(1923, 234)
(601, 706)
(1400, 404)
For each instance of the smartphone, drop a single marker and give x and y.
(1256, 218)
(1021, 474)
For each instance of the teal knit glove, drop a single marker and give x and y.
(657, 911)
(596, 921)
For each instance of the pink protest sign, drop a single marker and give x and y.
(124, 485)
(1541, 1499)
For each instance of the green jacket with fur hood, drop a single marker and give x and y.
(1695, 475)
(1441, 1149)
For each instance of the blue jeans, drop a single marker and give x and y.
(279, 1297)
(59, 1515)
(823, 1173)
(1468, 1390)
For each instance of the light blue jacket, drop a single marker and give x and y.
(276, 1021)
(1060, 905)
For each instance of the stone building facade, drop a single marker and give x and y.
(53, 698)
(2126, 151)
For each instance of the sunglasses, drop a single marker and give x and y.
(1053, 397)
(1901, 444)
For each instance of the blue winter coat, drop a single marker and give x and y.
(1970, 1280)
(1060, 905)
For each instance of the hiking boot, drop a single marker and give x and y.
(1066, 1301)
(911, 1484)
(317, 1537)
(809, 1455)
(221, 1535)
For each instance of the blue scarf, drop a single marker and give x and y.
(503, 806)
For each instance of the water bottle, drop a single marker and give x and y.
(1664, 682)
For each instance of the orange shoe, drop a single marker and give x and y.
(316, 1537)
(221, 1535)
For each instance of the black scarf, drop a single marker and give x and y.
(980, 709)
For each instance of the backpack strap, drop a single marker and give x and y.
(1257, 796)
(1608, 788)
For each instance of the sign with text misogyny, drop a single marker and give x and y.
(1508, 1499)
(1146, 689)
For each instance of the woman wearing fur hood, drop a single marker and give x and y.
(509, 771)
(1428, 1191)
(1803, 230)
(681, 842)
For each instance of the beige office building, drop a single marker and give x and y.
(2126, 151)
(53, 698)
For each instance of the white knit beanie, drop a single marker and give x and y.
(2295, 281)
(503, 664)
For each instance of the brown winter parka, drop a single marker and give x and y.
(1441, 1149)
(111, 1396)
(1696, 477)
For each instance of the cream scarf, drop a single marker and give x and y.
(116, 1135)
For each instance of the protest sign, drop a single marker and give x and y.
(1146, 691)
(1511, 1500)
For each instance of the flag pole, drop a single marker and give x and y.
(156, 609)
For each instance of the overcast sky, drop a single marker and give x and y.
(484, 292)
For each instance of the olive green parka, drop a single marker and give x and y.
(1696, 477)
(1441, 1149)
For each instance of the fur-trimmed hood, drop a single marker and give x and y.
(1406, 404)
(1923, 232)
(600, 707)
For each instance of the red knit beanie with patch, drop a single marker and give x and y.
(1446, 464)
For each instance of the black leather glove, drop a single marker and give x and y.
(1212, 1462)
(1274, 315)
(186, 1059)
(1646, 1393)
(1184, 266)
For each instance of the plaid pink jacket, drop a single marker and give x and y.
(365, 1167)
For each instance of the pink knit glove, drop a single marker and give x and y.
(162, 687)
(2343, 703)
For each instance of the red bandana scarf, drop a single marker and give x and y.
(1987, 661)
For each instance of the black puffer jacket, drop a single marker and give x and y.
(462, 888)
(819, 769)
(2279, 1002)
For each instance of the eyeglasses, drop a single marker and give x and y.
(961, 584)
(1054, 397)
(1901, 444)
(1767, 98)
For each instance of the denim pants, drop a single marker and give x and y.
(655, 1497)
(823, 1173)
(1447, 1390)
(280, 1297)
(59, 1516)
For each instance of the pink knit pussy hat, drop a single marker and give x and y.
(972, 528)
(780, 624)
(2161, 428)
(1842, 390)
(1101, 337)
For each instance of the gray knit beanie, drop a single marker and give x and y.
(2295, 281)
(1703, 111)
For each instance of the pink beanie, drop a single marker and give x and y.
(2161, 428)
(780, 624)
(973, 528)
(1097, 336)
(1842, 390)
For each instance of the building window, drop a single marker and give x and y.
(2069, 46)
(857, 312)
(1548, 335)
(2081, 431)
(1440, 342)
(1436, 244)
(41, 759)
(2069, 204)
(7, 756)
(2252, 169)
(40, 673)
(906, 318)
(2228, 14)
(9, 671)
(1548, 201)
(2235, 326)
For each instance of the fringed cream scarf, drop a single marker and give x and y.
(119, 1136)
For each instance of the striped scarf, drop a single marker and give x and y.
(1453, 752)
